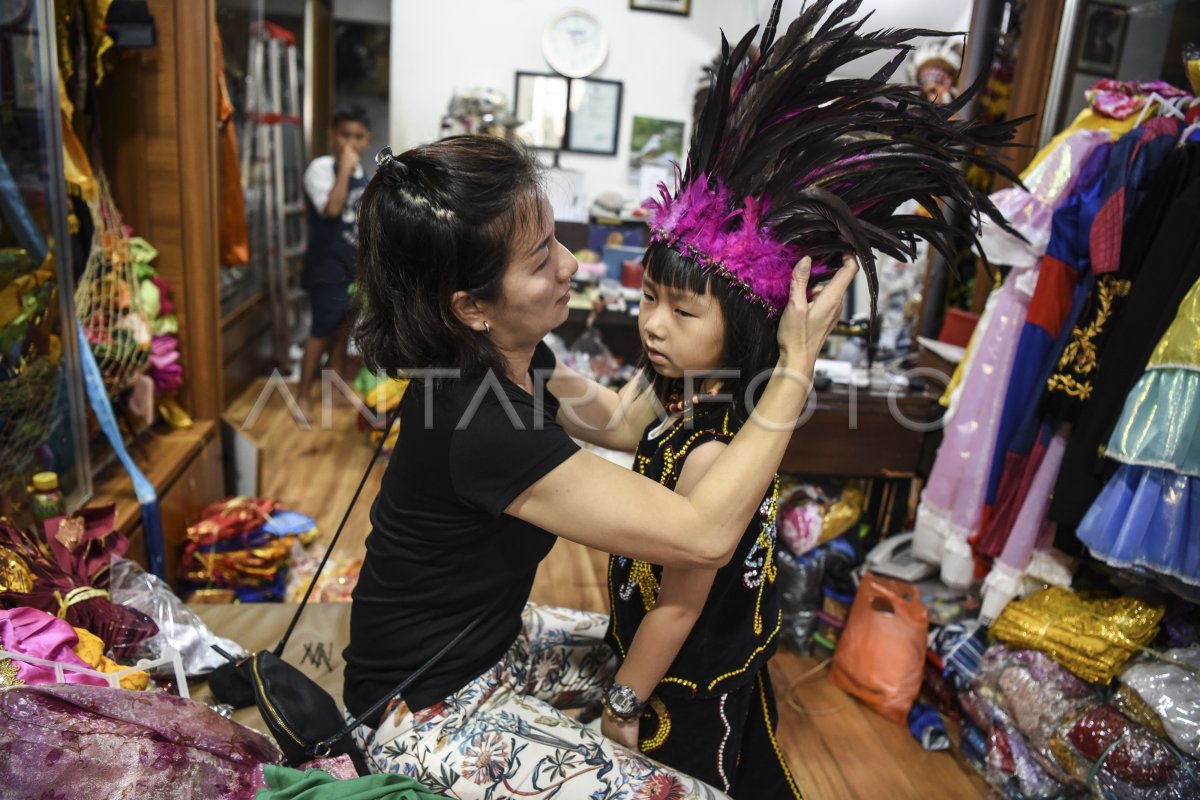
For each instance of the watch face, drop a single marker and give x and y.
(575, 45)
(622, 700)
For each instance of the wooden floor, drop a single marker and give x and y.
(837, 748)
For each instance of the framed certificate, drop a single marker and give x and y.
(593, 116)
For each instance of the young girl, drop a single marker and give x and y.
(695, 642)
(785, 162)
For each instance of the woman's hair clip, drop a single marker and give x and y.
(386, 159)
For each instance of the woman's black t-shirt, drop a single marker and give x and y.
(442, 550)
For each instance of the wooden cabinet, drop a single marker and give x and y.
(185, 468)
(156, 112)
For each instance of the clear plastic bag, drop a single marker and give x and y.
(799, 581)
(178, 625)
(1173, 691)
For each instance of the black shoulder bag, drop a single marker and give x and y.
(304, 718)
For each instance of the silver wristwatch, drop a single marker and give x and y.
(622, 702)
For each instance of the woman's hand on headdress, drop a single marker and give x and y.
(806, 323)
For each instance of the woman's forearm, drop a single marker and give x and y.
(599, 415)
(596, 503)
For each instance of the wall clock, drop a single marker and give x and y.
(574, 44)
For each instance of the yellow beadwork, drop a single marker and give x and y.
(762, 696)
(641, 573)
(612, 604)
(767, 543)
(1080, 354)
(642, 576)
(659, 709)
(757, 650)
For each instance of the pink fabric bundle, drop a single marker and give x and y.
(71, 581)
(35, 633)
(1122, 99)
(801, 526)
(165, 306)
(164, 367)
(88, 741)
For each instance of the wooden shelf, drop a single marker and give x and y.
(185, 469)
(167, 456)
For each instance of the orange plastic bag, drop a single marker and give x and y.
(880, 656)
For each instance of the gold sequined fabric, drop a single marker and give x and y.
(1093, 638)
(15, 575)
(843, 514)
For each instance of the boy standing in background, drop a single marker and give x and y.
(333, 185)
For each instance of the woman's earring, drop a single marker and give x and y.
(487, 328)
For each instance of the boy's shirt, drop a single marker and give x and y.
(332, 242)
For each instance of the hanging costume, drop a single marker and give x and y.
(1076, 275)
(952, 503)
(1169, 264)
(1148, 514)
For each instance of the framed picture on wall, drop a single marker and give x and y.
(680, 7)
(593, 116)
(1102, 38)
(540, 110)
(655, 141)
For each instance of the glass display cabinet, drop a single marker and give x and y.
(42, 412)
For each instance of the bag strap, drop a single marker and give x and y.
(322, 748)
(325, 745)
(278, 651)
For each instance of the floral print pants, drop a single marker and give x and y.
(503, 735)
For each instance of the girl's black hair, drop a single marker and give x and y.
(435, 220)
(750, 348)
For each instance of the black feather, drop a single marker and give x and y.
(833, 158)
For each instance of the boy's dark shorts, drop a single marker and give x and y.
(330, 304)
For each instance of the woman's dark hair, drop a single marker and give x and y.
(436, 220)
(751, 346)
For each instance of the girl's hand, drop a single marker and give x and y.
(625, 733)
(805, 323)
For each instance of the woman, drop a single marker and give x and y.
(462, 279)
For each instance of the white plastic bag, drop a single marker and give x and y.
(178, 625)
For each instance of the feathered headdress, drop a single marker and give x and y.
(786, 161)
(936, 58)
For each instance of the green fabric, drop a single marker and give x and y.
(1160, 424)
(163, 326)
(366, 380)
(285, 783)
(151, 299)
(142, 253)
